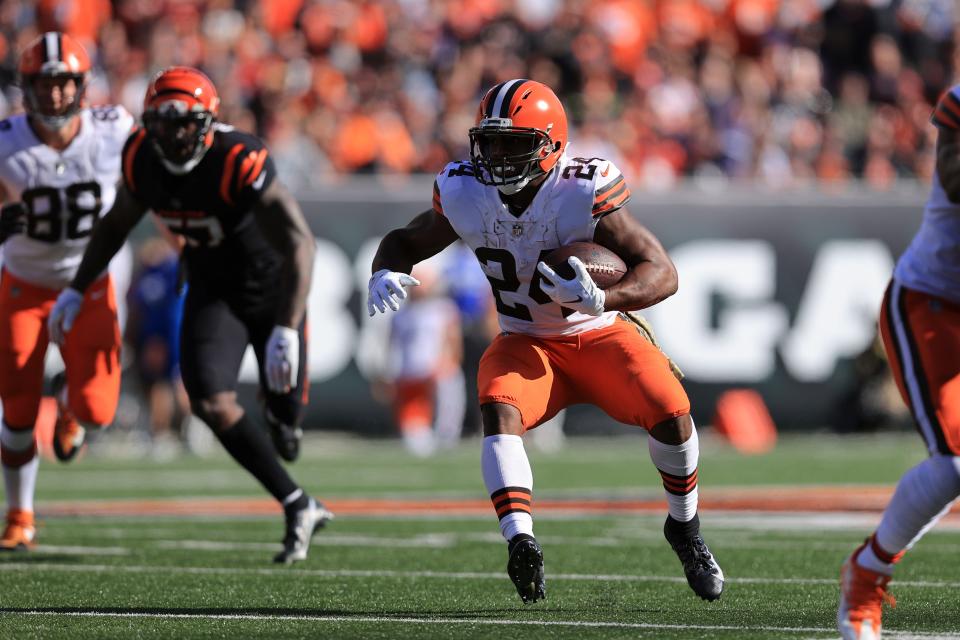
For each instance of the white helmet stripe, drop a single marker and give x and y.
(504, 90)
(51, 42)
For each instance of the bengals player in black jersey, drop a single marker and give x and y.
(248, 255)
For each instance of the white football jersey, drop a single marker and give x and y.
(566, 209)
(65, 192)
(931, 263)
(418, 338)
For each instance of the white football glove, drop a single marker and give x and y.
(64, 312)
(580, 293)
(386, 289)
(283, 359)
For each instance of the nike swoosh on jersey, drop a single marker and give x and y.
(579, 299)
(259, 181)
(605, 171)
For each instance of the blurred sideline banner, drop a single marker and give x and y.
(778, 292)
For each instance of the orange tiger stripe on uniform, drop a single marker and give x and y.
(305, 396)
(229, 166)
(128, 157)
(248, 161)
(947, 112)
(258, 160)
(437, 204)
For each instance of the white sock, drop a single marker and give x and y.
(419, 440)
(677, 464)
(924, 494)
(509, 481)
(19, 475)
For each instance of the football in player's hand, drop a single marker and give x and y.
(604, 266)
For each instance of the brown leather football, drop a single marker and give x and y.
(604, 266)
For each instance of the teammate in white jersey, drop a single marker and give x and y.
(424, 357)
(563, 341)
(59, 167)
(920, 327)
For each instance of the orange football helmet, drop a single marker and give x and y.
(520, 133)
(179, 110)
(52, 55)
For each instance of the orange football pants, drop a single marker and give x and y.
(91, 352)
(413, 403)
(614, 368)
(921, 335)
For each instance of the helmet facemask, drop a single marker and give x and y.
(508, 157)
(178, 135)
(39, 103)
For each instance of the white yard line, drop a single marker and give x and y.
(73, 550)
(443, 575)
(466, 621)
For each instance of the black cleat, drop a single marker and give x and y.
(301, 525)
(525, 568)
(286, 439)
(703, 573)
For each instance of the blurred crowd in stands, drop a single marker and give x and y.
(783, 91)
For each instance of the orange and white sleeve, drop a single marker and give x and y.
(610, 190)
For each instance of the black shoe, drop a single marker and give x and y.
(301, 525)
(703, 573)
(525, 568)
(286, 439)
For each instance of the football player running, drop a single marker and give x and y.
(59, 167)
(563, 341)
(920, 327)
(248, 256)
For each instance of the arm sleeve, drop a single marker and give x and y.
(610, 190)
(946, 115)
(247, 172)
(437, 203)
(131, 151)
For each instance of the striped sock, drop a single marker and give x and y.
(509, 481)
(677, 465)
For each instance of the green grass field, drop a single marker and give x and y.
(441, 574)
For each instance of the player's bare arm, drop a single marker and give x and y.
(427, 235)
(282, 223)
(651, 276)
(108, 236)
(948, 162)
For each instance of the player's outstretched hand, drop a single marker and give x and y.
(579, 293)
(386, 289)
(12, 220)
(64, 312)
(283, 359)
